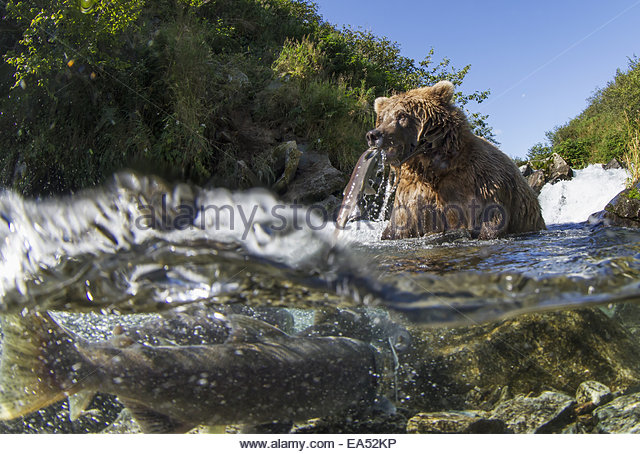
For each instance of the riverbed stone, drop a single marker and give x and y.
(479, 366)
(622, 211)
(315, 179)
(621, 415)
(550, 412)
(455, 422)
(379, 423)
(594, 392)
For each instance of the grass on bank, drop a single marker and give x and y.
(608, 128)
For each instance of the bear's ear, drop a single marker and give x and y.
(443, 89)
(379, 104)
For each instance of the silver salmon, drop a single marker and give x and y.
(258, 375)
(358, 184)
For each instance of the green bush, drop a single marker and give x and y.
(575, 152)
(188, 89)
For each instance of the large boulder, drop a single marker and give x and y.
(622, 211)
(593, 392)
(315, 179)
(558, 170)
(621, 415)
(476, 367)
(553, 169)
(548, 413)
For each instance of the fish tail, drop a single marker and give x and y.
(37, 364)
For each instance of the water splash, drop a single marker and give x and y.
(140, 245)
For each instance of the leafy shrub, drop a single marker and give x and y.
(575, 152)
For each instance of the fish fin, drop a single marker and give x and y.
(368, 190)
(152, 422)
(32, 343)
(78, 403)
(251, 330)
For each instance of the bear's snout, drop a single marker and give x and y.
(374, 138)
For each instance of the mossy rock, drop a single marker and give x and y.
(476, 367)
(623, 210)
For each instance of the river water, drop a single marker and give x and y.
(139, 245)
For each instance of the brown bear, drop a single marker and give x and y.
(447, 177)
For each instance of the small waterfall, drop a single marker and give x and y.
(588, 192)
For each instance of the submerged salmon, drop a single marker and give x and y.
(365, 169)
(258, 374)
(196, 324)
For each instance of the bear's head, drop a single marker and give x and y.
(407, 118)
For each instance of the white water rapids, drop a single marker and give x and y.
(588, 192)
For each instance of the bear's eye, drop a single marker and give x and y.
(403, 120)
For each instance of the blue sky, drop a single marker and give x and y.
(540, 59)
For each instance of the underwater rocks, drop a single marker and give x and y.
(378, 423)
(593, 392)
(547, 413)
(621, 415)
(477, 367)
(455, 422)
(622, 211)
